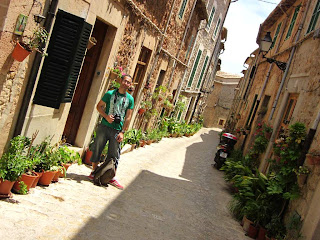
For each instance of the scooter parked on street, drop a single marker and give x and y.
(224, 148)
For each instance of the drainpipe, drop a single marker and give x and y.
(34, 72)
(184, 37)
(276, 125)
(161, 42)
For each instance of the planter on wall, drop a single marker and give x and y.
(313, 159)
(19, 52)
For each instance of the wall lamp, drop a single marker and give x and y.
(265, 45)
(38, 18)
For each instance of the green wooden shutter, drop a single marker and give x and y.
(276, 36)
(189, 47)
(202, 71)
(217, 27)
(182, 8)
(194, 69)
(211, 17)
(314, 17)
(293, 21)
(61, 67)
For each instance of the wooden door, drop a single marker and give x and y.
(84, 83)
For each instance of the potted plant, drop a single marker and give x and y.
(302, 174)
(313, 157)
(92, 42)
(144, 106)
(159, 93)
(29, 43)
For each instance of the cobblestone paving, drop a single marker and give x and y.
(171, 193)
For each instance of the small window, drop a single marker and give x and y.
(194, 69)
(182, 8)
(210, 18)
(221, 122)
(293, 21)
(314, 17)
(217, 27)
(276, 36)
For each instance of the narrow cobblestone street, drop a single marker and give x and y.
(171, 192)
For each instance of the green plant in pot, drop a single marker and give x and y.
(30, 43)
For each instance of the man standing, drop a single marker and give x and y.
(116, 108)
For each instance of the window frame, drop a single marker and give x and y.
(275, 37)
(204, 67)
(314, 18)
(182, 8)
(293, 21)
(194, 67)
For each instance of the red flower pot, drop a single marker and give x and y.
(253, 231)
(88, 156)
(27, 179)
(141, 111)
(36, 180)
(262, 233)
(64, 170)
(5, 188)
(47, 177)
(19, 52)
(56, 176)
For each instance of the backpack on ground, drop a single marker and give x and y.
(104, 173)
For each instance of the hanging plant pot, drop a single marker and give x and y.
(301, 179)
(20, 52)
(5, 188)
(141, 111)
(92, 42)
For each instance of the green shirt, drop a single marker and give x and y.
(117, 107)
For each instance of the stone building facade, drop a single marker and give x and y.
(282, 95)
(219, 101)
(148, 39)
(204, 59)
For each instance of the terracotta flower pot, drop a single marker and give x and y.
(47, 177)
(246, 223)
(262, 233)
(19, 52)
(64, 170)
(142, 143)
(88, 156)
(253, 231)
(312, 159)
(56, 176)
(141, 111)
(27, 179)
(149, 142)
(301, 179)
(36, 180)
(5, 188)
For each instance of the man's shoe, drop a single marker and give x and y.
(115, 183)
(91, 176)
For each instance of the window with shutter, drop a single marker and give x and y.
(314, 17)
(211, 17)
(203, 71)
(182, 8)
(293, 21)
(61, 68)
(276, 35)
(217, 27)
(194, 69)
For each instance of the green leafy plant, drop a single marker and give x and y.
(34, 42)
(23, 188)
